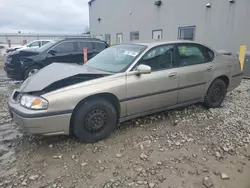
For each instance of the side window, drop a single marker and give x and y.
(34, 44)
(88, 45)
(64, 47)
(161, 57)
(44, 42)
(191, 54)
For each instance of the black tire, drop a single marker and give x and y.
(29, 69)
(215, 94)
(94, 120)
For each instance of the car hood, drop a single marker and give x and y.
(24, 48)
(24, 52)
(14, 48)
(54, 73)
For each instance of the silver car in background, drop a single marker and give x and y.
(32, 45)
(122, 82)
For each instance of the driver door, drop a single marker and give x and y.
(157, 90)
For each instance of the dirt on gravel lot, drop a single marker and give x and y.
(191, 147)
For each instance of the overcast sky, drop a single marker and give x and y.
(44, 16)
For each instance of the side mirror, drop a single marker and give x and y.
(143, 69)
(52, 52)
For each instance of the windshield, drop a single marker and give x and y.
(46, 46)
(116, 58)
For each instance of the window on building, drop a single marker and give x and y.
(186, 33)
(99, 37)
(209, 54)
(160, 58)
(134, 35)
(157, 34)
(119, 38)
(192, 54)
(64, 47)
(108, 38)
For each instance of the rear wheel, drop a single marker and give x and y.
(94, 120)
(31, 71)
(215, 94)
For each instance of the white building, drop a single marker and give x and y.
(221, 24)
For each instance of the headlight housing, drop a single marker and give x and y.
(34, 102)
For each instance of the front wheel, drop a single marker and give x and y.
(94, 120)
(215, 94)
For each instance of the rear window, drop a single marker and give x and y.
(101, 45)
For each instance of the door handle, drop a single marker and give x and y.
(172, 75)
(210, 68)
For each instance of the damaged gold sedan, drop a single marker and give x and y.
(122, 82)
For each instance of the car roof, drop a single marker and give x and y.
(42, 40)
(157, 43)
(83, 38)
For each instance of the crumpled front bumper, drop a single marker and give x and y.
(12, 69)
(40, 122)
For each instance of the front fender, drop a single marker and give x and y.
(67, 98)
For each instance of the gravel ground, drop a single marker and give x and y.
(190, 147)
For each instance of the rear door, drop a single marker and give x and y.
(63, 52)
(196, 71)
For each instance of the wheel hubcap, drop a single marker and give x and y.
(216, 94)
(33, 71)
(95, 120)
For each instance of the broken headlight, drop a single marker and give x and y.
(34, 102)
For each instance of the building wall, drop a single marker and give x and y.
(223, 26)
